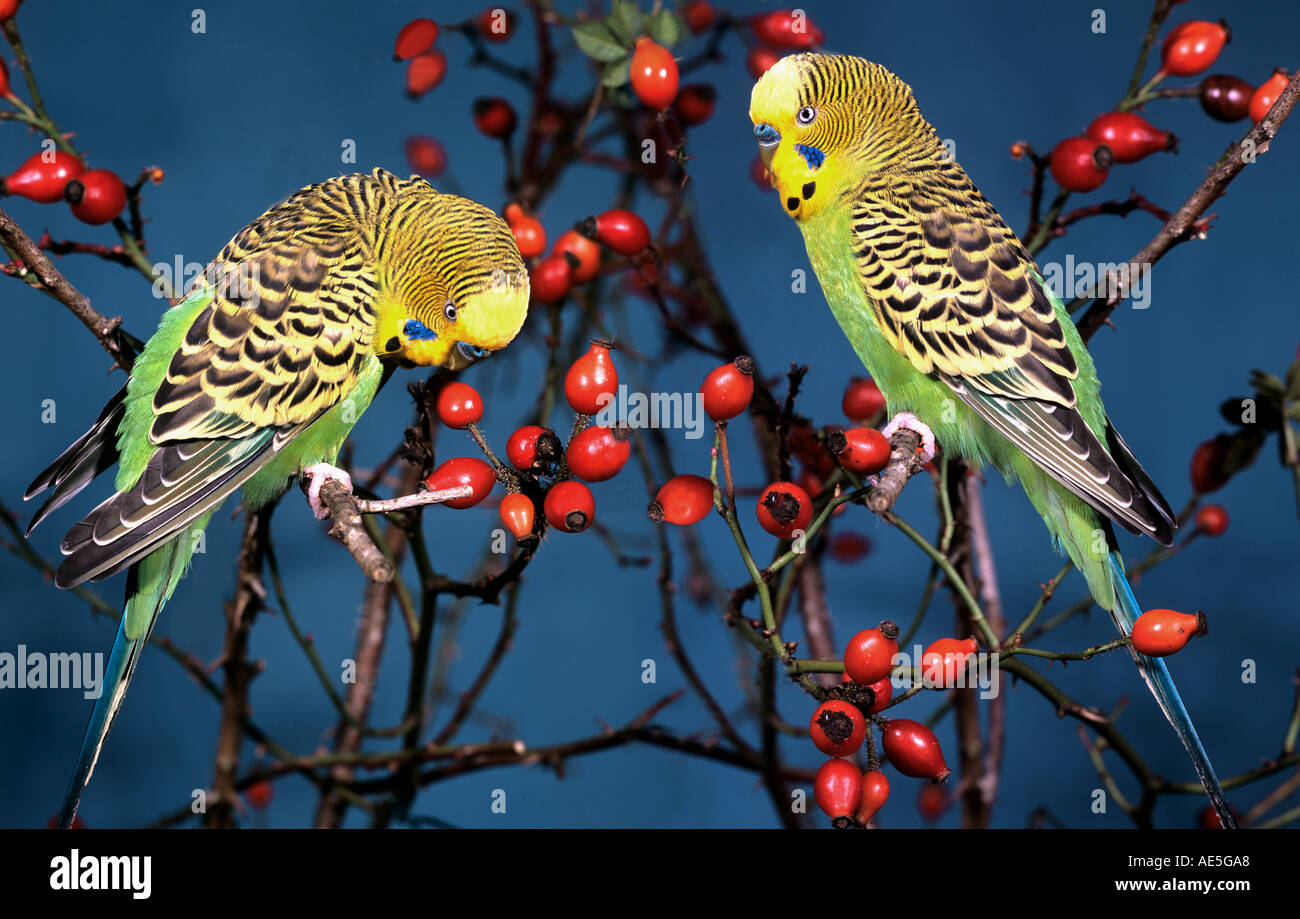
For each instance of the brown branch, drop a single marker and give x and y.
(1182, 226)
(34, 264)
(991, 599)
(348, 528)
(1134, 202)
(903, 464)
(249, 598)
(116, 253)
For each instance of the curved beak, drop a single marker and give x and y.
(769, 138)
(465, 354)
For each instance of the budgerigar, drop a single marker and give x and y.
(260, 373)
(950, 315)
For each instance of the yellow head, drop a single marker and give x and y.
(826, 123)
(454, 287)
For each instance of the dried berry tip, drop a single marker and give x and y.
(783, 506)
(745, 364)
(655, 512)
(836, 725)
(889, 629)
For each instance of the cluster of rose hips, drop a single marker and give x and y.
(427, 65)
(1082, 163)
(851, 796)
(545, 473)
(785, 509)
(96, 196)
(575, 256)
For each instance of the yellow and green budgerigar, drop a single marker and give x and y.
(951, 316)
(259, 374)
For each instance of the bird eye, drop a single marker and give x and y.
(806, 115)
(449, 311)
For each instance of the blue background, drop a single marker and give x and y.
(258, 106)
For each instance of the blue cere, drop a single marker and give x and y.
(814, 156)
(766, 134)
(418, 331)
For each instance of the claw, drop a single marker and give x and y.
(318, 475)
(926, 451)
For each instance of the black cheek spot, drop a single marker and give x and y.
(792, 204)
(392, 344)
(808, 190)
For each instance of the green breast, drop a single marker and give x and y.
(828, 238)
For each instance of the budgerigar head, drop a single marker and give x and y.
(826, 122)
(455, 286)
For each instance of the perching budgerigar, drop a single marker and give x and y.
(950, 315)
(261, 371)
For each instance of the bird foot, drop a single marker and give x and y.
(318, 475)
(928, 447)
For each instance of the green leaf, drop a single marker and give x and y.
(598, 42)
(667, 28)
(616, 73)
(627, 21)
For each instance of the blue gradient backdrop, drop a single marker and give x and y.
(259, 105)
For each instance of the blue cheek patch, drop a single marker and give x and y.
(812, 155)
(418, 331)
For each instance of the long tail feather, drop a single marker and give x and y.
(1125, 612)
(148, 587)
(117, 676)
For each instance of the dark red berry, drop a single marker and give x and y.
(1212, 520)
(914, 750)
(837, 788)
(653, 73)
(416, 37)
(789, 29)
(551, 279)
(695, 103)
(496, 24)
(424, 72)
(463, 470)
(869, 655)
(459, 405)
(621, 230)
(1193, 46)
(43, 176)
(784, 509)
(1129, 136)
(570, 507)
(599, 453)
(1267, 94)
(683, 500)
(837, 728)
(426, 156)
(1080, 163)
(532, 444)
(1225, 97)
(728, 389)
(864, 451)
(863, 400)
(592, 380)
(97, 196)
(494, 117)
